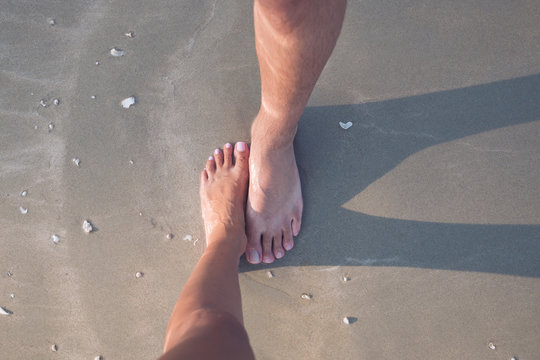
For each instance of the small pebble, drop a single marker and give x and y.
(99, 357)
(140, 213)
(270, 274)
(307, 296)
(35, 127)
(346, 278)
(9, 274)
(131, 162)
(76, 161)
(346, 320)
(42, 102)
(117, 52)
(492, 346)
(52, 22)
(514, 358)
(87, 226)
(93, 97)
(24, 193)
(127, 102)
(24, 211)
(97, 62)
(130, 34)
(54, 347)
(139, 274)
(55, 238)
(4, 311)
(168, 236)
(56, 101)
(51, 126)
(12, 296)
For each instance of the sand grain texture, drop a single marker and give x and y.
(428, 205)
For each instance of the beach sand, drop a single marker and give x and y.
(428, 204)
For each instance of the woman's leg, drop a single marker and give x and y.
(206, 322)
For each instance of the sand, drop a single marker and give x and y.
(428, 203)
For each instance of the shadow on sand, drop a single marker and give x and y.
(336, 170)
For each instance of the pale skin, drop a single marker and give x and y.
(293, 39)
(251, 200)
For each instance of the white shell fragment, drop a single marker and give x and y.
(130, 34)
(97, 62)
(492, 346)
(76, 161)
(188, 238)
(99, 357)
(4, 311)
(12, 296)
(35, 127)
(307, 296)
(127, 102)
(54, 347)
(56, 102)
(139, 274)
(347, 320)
(55, 238)
(87, 226)
(168, 236)
(117, 52)
(93, 97)
(51, 126)
(270, 274)
(52, 22)
(346, 278)
(131, 162)
(345, 125)
(24, 193)
(23, 211)
(42, 102)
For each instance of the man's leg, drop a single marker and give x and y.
(294, 39)
(207, 322)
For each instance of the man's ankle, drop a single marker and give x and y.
(273, 133)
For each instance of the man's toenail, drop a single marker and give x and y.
(228, 145)
(241, 146)
(279, 254)
(254, 256)
(216, 151)
(211, 158)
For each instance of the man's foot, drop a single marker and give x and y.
(223, 193)
(274, 206)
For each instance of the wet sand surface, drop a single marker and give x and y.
(422, 219)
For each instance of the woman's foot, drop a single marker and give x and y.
(223, 194)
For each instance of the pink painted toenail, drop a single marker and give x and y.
(241, 146)
(287, 246)
(228, 146)
(211, 158)
(216, 151)
(254, 256)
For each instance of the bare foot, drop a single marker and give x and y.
(223, 197)
(274, 206)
